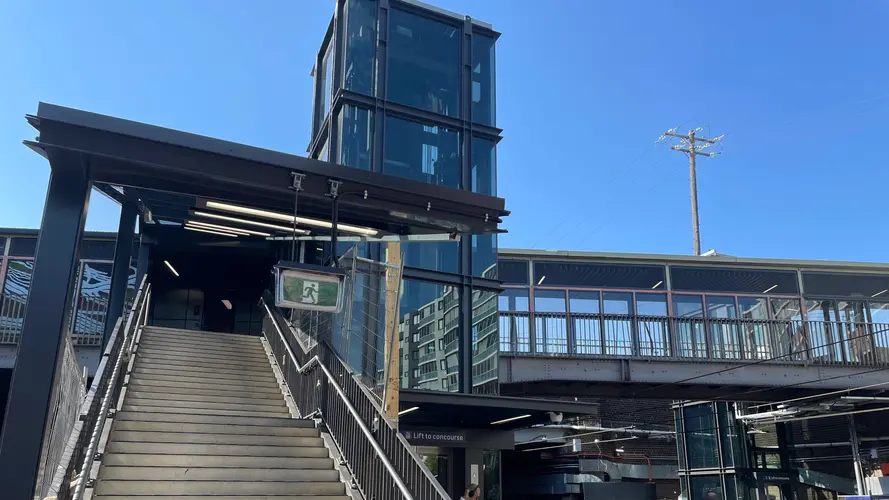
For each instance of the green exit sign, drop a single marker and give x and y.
(309, 289)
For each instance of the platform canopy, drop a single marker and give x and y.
(176, 177)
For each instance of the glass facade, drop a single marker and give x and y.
(483, 91)
(356, 136)
(424, 59)
(429, 332)
(425, 153)
(360, 45)
(485, 342)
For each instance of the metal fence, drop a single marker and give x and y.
(825, 342)
(86, 323)
(381, 461)
(66, 406)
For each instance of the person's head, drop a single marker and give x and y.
(472, 492)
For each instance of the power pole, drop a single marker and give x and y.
(688, 144)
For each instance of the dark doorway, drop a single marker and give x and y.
(219, 313)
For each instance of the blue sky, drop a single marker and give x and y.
(585, 87)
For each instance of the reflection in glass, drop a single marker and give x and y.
(732, 440)
(435, 255)
(491, 460)
(700, 436)
(360, 45)
(585, 321)
(92, 303)
(424, 63)
(14, 298)
(824, 330)
(858, 344)
(515, 330)
(550, 327)
(324, 86)
(424, 153)
(484, 255)
(429, 331)
(654, 336)
(724, 342)
(702, 486)
(755, 328)
(485, 340)
(618, 324)
(483, 88)
(879, 313)
(484, 166)
(356, 137)
(689, 326)
(791, 335)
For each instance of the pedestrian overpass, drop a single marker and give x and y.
(556, 354)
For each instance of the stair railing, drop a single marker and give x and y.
(73, 474)
(382, 463)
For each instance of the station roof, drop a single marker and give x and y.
(173, 174)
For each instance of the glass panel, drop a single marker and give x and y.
(483, 89)
(654, 334)
(619, 328)
(485, 340)
(700, 436)
(549, 300)
(689, 326)
(513, 272)
(879, 314)
(549, 321)
(857, 342)
(755, 328)
(484, 166)
(97, 249)
(513, 299)
(491, 459)
(599, 275)
(732, 441)
(424, 63)
(484, 255)
(438, 256)
(514, 328)
(325, 76)
(422, 305)
(845, 284)
(680, 437)
(2, 246)
(709, 279)
(324, 154)
(585, 321)
(722, 312)
(423, 153)
(705, 488)
(360, 44)
(356, 137)
(22, 247)
(583, 302)
(14, 298)
(824, 331)
(789, 332)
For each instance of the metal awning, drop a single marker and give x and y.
(483, 411)
(171, 174)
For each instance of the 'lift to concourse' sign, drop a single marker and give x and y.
(301, 286)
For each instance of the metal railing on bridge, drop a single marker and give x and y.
(86, 324)
(714, 339)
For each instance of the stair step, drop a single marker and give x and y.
(200, 438)
(206, 411)
(201, 355)
(159, 385)
(114, 487)
(227, 461)
(259, 431)
(205, 338)
(211, 378)
(216, 474)
(259, 370)
(214, 419)
(218, 449)
(210, 399)
(240, 367)
(203, 347)
(212, 390)
(174, 372)
(228, 497)
(244, 406)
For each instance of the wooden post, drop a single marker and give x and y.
(392, 347)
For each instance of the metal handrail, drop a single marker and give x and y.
(342, 394)
(90, 455)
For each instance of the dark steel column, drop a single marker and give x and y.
(142, 261)
(120, 272)
(44, 330)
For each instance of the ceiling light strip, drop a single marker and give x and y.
(171, 268)
(511, 419)
(229, 229)
(289, 218)
(210, 231)
(247, 221)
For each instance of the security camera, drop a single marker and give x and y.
(555, 417)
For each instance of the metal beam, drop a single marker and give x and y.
(120, 271)
(33, 388)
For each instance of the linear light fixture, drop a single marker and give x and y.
(600, 441)
(247, 221)
(209, 231)
(405, 412)
(541, 279)
(657, 284)
(619, 449)
(880, 293)
(228, 207)
(511, 419)
(171, 268)
(769, 289)
(227, 304)
(229, 229)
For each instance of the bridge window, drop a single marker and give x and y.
(513, 272)
(739, 280)
(549, 301)
(582, 302)
(23, 247)
(515, 329)
(594, 275)
(550, 322)
(513, 299)
(846, 285)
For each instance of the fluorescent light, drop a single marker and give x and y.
(541, 279)
(210, 231)
(618, 450)
(289, 218)
(229, 229)
(657, 284)
(769, 289)
(405, 412)
(227, 304)
(880, 293)
(171, 268)
(248, 221)
(510, 419)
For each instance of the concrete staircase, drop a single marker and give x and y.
(204, 417)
